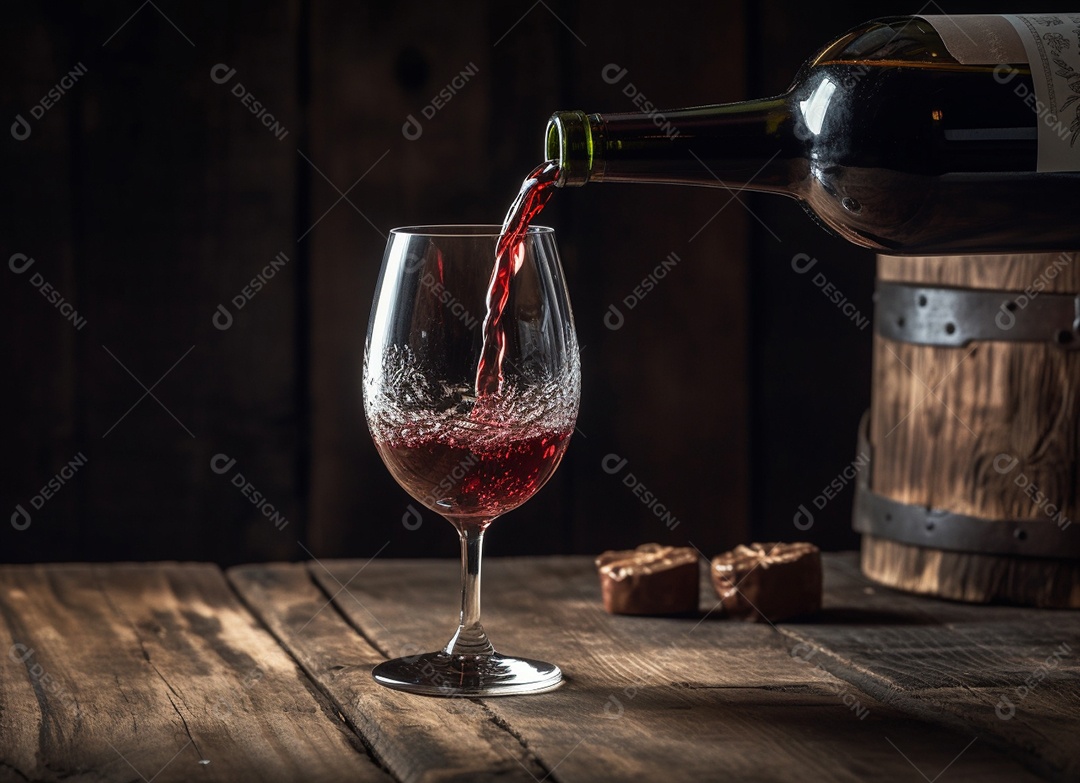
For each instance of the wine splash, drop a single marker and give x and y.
(509, 253)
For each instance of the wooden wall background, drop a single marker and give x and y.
(149, 195)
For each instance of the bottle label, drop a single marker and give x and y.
(1050, 45)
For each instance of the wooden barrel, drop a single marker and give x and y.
(972, 435)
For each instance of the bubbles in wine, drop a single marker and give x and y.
(405, 402)
(465, 455)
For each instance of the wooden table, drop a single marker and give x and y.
(172, 672)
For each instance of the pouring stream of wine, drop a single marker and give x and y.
(535, 191)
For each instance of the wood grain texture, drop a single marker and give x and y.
(976, 578)
(417, 739)
(941, 416)
(653, 699)
(125, 672)
(956, 664)
(115, 673)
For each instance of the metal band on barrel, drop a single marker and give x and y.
(955, 317)
(937, 528)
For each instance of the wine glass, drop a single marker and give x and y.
(467, 444)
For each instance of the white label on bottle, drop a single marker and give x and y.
(1050, 44)
(979, 39)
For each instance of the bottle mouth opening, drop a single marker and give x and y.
(568, 141)
(553, 142)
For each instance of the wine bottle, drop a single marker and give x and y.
(910, 135)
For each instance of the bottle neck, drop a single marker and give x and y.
(747, 145)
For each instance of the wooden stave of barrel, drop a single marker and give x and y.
(940, 417)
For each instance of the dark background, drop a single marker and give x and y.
(149, 195)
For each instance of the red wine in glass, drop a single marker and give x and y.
(473, 477)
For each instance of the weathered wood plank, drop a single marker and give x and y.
(417, 739)
(655, 699)
(1009, 674)
(111, 673)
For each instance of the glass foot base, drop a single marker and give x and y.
(441, 674)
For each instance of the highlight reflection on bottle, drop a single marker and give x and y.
(885, 137)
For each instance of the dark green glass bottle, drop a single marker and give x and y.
(885, 137)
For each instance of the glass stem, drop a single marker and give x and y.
(470, 639)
